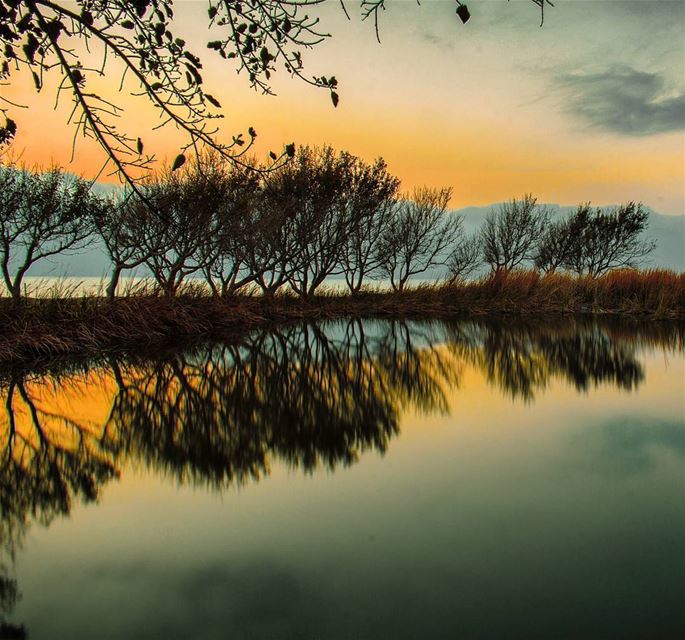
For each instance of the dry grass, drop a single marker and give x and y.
(56, 325)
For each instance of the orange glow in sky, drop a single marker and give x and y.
(494, 108)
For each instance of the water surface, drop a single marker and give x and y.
(492, 479)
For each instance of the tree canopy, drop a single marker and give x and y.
(43, 37)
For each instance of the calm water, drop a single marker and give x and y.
(351, 481)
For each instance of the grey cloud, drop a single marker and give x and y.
(624, 100)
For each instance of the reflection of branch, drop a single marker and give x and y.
(42, 476)
(521, 359)
(217, 416)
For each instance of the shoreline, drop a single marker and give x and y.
(40, 328)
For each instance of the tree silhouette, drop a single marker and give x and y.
(139, 39)
(41, 215)
(509, 235)
(417, 234)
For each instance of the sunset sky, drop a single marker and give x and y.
(590, 106)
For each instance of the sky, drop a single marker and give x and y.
(590, 106)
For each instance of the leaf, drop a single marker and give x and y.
(54, 28)
(211, 99)
(334, 98)
(24, 23)
(127, 24)
(30, 47)
(272, 155)
(77, 77)
(463, 13)
(290, 150)
(252, 132)
(8, 131)
(140, 146)
(178, 162)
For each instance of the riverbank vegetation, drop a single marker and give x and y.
(86, 326)
(321, 216)
(229, 248)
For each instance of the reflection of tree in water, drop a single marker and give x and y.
(308, 395)
(9, 595)
(297, 394)
(47, 460)
(522, 358)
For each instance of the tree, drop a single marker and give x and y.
(307, 198)
(609, 239)
(174, 217)
(317, 186)
(416, 236)
(464, 259)
(369, 206)
(560, 240)
(138, 39)
(232, 197)
(121, 227)
(41, 215)
(273, 244)
(509, 235)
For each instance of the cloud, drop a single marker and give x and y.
(628, 445)
(623, 100)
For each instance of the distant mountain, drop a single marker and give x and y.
(668, 231)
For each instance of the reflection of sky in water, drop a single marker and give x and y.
(558, 518)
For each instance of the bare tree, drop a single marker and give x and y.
(609, 239)
(273, 244)
(416, 236)
(176, 215)
(314, 189)
(138, 40)
(121, 226)
(232, 195)
(464, 259)
(559, 241)
(510, 235)
(41, 215)
(369, 206)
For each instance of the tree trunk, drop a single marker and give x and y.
(114, 282)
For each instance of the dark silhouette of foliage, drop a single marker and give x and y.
(314, 189)
(225, 251)
(139, 40)
(120, 227)
(322, 215)
(173, 221)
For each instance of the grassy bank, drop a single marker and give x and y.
(47, 327)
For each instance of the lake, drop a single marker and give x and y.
(480, 479)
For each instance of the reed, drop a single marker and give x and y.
(60, 323)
